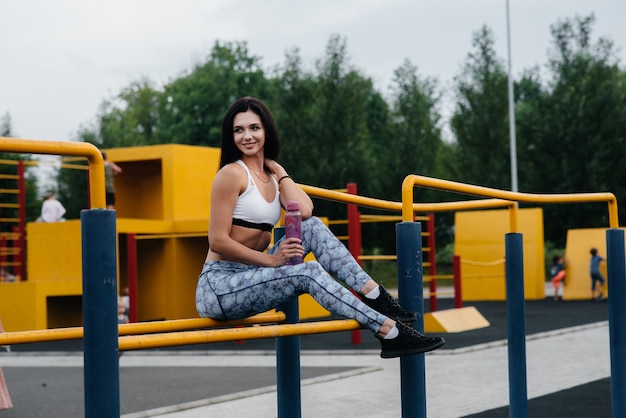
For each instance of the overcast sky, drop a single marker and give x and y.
(59, 59)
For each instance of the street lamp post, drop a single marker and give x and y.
(511, 109)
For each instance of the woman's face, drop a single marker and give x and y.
(248, 133)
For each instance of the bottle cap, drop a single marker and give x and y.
(293, 205)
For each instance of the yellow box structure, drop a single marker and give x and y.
(162, 210)
(479, 241)
(577, 283)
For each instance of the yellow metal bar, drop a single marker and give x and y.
(140, 342)
(399, 206)
(172, 235)
(378, 257)
(411, 180)
(10, 191)
(338, 222)
(9, 176)
(84, 149)
(75, 333)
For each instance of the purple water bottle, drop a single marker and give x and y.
(293, 226)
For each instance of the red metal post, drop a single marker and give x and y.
(21, 185)
(3, 250)
(432, 286)
(458, 297)
(131, 252)
(354, 242)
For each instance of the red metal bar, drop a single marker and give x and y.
(458, 297)
(4, 249)
(131, 253)
(21, 185)
(16, 256)
(354, 243)
(432, 270)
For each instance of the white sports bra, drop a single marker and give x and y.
(252, 210)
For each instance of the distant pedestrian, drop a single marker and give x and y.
(597, 279)
(51, 210)
(557, 274)
(110, 170)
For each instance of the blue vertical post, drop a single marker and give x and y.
(411, 297)
(288, 360)
(616, 269)
(101, 358)
(516, 325)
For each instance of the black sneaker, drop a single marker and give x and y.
(408, 341)
(388, 306)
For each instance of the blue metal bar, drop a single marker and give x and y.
(616, 269)
(411, 296)
(288, 360)
(516, 325)
(101, 355)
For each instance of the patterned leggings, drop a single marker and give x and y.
(229, 290)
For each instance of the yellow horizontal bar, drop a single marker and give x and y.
(10, 205)
(172, 235)
(398, 206)
(10, 191)
(507, 197)
(9, 219)
(440, 276)
(84, 149)
(378, 257)
(338, 222)
(140, 342)
(75, 333)
(9, 176)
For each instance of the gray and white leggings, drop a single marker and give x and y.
(229, 290)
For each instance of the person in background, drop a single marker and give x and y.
(597, 279)
(126, 298)
(51, 210)
(557, 274)
(122, 317)
(110, 170)
(243, 276)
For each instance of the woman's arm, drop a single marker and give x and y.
(289, 190)
(228, 183)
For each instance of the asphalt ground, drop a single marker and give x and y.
(57, 391)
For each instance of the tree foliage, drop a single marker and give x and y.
(336, 127)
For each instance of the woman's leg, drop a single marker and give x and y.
(243, 292)
(331, 253)
(335, 258)
(231, 291)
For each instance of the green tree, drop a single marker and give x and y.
(480, 121)
(577, 127)
(416, 138)
(191, 107)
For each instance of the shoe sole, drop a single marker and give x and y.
(410, 351)
(406, 320)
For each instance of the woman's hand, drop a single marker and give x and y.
(291, 247)
(275, 168)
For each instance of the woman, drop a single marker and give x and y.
(243, 277)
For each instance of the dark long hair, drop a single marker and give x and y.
(230, 153)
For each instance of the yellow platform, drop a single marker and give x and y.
(480, 242)
(577, 284)
(454, 320)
